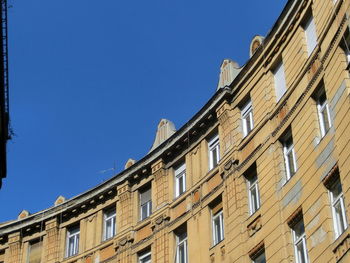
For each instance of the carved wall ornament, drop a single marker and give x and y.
(123, 241)
(254, 226)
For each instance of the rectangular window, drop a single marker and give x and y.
(299, 239)
(280, 81)
(218, 227)
(253, 189)
(214, 151)
(180, 180)
(145, 257)
(289, 155)
(109, 223)
(310, 34)
(72, 242)
(145, 203)
(323, 112)
(181, 247)
(34, 251)
(338, 208)
(247, 118)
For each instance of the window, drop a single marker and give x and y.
(260, 258)
(181, 246)
(218, 227)
(323, 112)
(289, 155)
(214, 151)
(34, 251)
(145, 203)
(338, 208)
(310, 34)
(109, 223)
(280, 81)
(72, 242)
(299, 239)
(253, 189)
(180, 180)
(247, 118)
(345, 45)
(145, 257)
(217, 219)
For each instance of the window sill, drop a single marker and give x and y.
(143, 222)
(217, 244)
(254, 214)
(246, 139)
(179, 196)
(321, 138)
(107, 239)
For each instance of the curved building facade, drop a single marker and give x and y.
(260, 174)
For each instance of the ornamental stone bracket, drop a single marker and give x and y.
(230, 166)
(254, 226)
(160, 221)
(125, 241)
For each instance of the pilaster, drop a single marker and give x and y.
(160, 248)
(14, 242)
(160, 185)
(226, 128)
(125, 209)
(52, 243)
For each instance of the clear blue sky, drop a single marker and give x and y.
(90, 80)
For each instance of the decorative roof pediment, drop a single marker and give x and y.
(165, 129)
(23, 214)
(228, 72)
(61, 199)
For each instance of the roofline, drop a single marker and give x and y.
(214, 101)
(53, 211)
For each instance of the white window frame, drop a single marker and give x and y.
(297, 241)
(323, 106)
(280, 80)
(73, 233)
(179, 243)
(218, 237)
(147, 204)
(143, 256)
(310, 35)
(109, 216)
(180, 175)
(254, 205)
(338, 201)
(287, 149)
(214, 147)
(247, 116)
